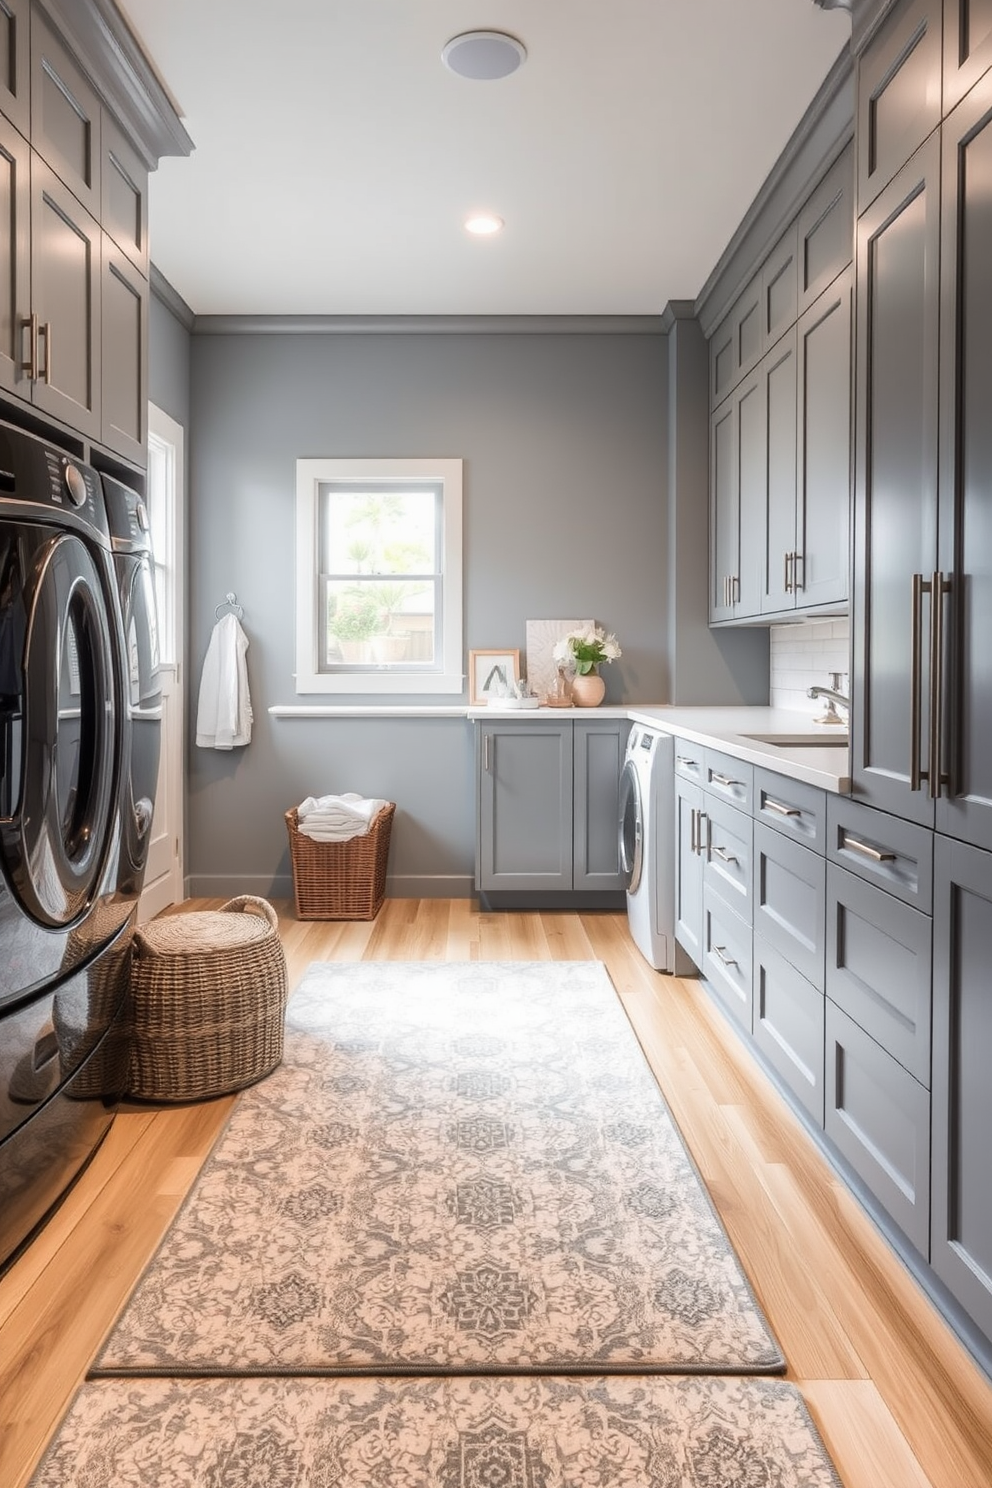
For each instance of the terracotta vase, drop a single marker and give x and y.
(588, 691)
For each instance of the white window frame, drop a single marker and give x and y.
(449, 676)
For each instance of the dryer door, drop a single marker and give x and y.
(144, 713)
(631, 826)
(57, 787)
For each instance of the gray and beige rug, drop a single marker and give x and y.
(459, 1167)
(454, 1241)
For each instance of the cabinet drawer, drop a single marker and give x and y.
(729, 778)
(789, 806)
(899, 93)
(726, 961)
(690, 761)
(885, 850)
(878, 1117)
(826, 230)
(727, 855)
(878, 967)
(789, 909)
(788, 1025)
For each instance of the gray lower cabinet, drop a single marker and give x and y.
(961, 1244)
(690, 823)
(878, 967)
(548, 796)
(788, 898)
(878, 1117)
(787, 1024)
(726, 853)
(726, 960)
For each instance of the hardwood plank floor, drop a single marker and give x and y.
(898, 1400)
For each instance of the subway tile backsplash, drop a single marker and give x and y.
(802, 655)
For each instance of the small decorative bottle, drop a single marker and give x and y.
(560, 691)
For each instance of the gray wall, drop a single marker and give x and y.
(168, 361)
(564, 442)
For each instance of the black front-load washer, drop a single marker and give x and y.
(64, 922)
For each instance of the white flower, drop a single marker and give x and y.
(585, 648)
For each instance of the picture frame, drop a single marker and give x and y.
(486, 669)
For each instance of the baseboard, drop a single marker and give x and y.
(280, 886)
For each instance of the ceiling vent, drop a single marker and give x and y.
(483, 56)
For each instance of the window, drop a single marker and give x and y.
(164, 498)
(379, 586)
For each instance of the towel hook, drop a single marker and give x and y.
(229, 602)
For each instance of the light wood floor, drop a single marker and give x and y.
(898, 1401)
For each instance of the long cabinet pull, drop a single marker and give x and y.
(704, 846)
(798, 566)
(723, 855)
(31, 365)
(938, 588)
(915, 680)
(787, 580)
(721, 954)
(694, 831)
(46, 373)
(776, 806)
(485, 753)
(866, 850)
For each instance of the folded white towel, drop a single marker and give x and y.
(337, 818)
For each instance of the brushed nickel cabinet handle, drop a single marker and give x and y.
(723, 855)
(694, 831)
(798, 566)
(705, 846)
(938, 588)
(915, 680)
(866, 850)
(31, 365)
(686, 759)
(725, 780)
(786, 577)
(735, 591)
(485, 753)
(46, 375)
(721, 955)
(779, 809)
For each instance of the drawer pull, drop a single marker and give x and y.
(721, 955)
(777, 806)
(725, 780)
(867, 851)
(686, 759)
(722, 853)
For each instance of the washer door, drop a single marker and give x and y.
(144, 714)
(631, 826)
(59, 725)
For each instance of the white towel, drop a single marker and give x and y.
(223, 715)
(337, 818)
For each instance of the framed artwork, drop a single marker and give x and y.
(541, 638)
(491, 674)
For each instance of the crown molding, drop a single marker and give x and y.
(432, 325)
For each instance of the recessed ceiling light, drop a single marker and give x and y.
(483, 55)
(483, 224)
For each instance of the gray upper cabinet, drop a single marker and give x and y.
(960, 695)
(776, 515)
(961, 1234)
(779, 288)
(825, 231)
(899, 93)
(124, 194)
(820, 571)
(15, 252)
(737, 465)
(65, 297)
(895, 508)
(967, 46)
(124, 354)
(65, 115)
(15, 63)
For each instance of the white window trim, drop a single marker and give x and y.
(309, 677)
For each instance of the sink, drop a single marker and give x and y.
(801, 741)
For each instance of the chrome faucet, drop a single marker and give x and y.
(833, 696)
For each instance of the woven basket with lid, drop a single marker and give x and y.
(208, 994)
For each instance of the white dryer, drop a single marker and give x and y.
(647, 846)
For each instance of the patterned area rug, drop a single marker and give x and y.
(686, 1432)
(459, 1168)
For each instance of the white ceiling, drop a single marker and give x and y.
(336, 157)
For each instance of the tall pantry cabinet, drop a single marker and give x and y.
(922, 611)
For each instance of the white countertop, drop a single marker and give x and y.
(727, 729)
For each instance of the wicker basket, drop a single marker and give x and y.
(340, 880)
(208, 993)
